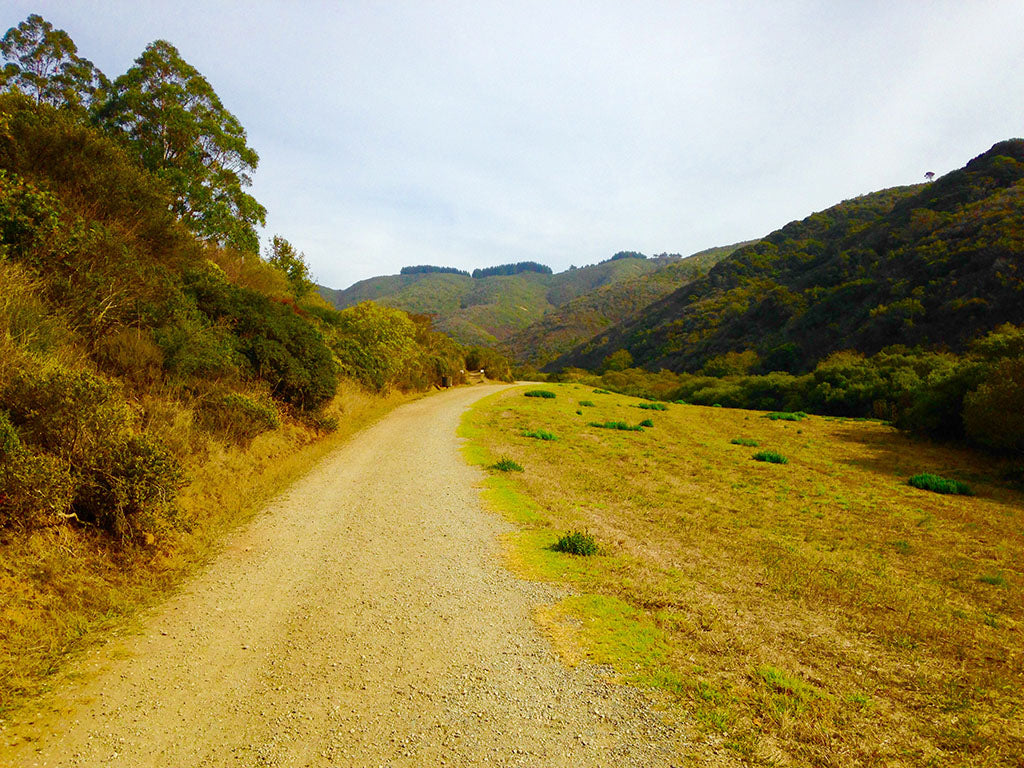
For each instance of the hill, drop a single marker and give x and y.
(934, 264)
(487, 309)
(579, 319)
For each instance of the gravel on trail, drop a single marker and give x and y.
(362, 619)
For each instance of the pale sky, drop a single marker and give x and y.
(476, 133)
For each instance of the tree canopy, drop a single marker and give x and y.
(43, 63)
(175, 122)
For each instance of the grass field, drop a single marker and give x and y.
(817, 612)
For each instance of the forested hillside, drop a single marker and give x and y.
(935, 264)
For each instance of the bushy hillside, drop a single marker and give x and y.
(486, 309)
(587, 314)
(934, 264)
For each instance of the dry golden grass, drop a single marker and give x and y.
(61, 586)
(819, 612)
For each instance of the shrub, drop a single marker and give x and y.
(786, 416)
(505, 464)
(771, 457)
(994, 412)
(35, 489)
(929, 482)
(9, 442)
(745, 441)
(652, 406)
(539, 434)
(587, 404)
(601, 392)
(576, 543)
(236, 417)
(620, 425)
(545, 393)
(646, 423)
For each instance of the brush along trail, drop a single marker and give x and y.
(362, 619)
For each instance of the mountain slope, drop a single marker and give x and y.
(486, 310)
(932, 264)
(588, 314)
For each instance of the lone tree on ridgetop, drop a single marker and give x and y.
(171, 116)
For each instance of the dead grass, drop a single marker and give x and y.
(62, 586)
(827, 614)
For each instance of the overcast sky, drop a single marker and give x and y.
(476, 133)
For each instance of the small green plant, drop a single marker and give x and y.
(786, 416)
(996, 579)
(646, 423)
(620, 425)
(771, 457)
(902, 547)
(587, 403)
(745, 441)
(601, 392)
(545, 393)
(539, 434)
(577, 543)
(235, 417)
(929, 482)
(505, 464)
(680, 402)
(652, 406)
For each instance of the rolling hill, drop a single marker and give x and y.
(934, 265)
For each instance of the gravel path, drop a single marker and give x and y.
(361, 620)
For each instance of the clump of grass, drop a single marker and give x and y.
(587, 403)
(620, 425)
(505, 464)
(601, 392)
(577, 543)
(539, 434)
(745, 441)
(652, 406)
(646, 423)
(929, 482)
(786, 416)
(996, 580)
(545, 393)
(680, 402)
(771, 457)
(901, 546)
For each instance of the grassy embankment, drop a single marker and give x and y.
(64, 586)
(817, 612)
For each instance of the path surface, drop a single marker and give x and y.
(361, 620)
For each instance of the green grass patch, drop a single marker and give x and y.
(620, 425)
(995, 579)
(579, 543)
(539, 434)
(587, 404)
(745, 441)
(646, 423)
(505, 464)
(771, 457)
(652, 406)
(929, 482)
(786, 693)
(545, 393)
(601, 392)
(786, 416)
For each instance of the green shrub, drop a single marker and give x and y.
(601, 392)
(786, 416)
(646, 423)
(505, 464)
(620, 425)
(587, 404)
(9, 442)
(929, 482)
(545, 393)
(35, 489)
(652, 406)
(745, 441)
(771, 457)
(539, 434)
(236, 417)
(577, 543)
(994, 412)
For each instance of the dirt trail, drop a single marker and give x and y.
(362, 620)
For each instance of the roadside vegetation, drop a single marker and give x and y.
(159, 376)
(823, 613)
